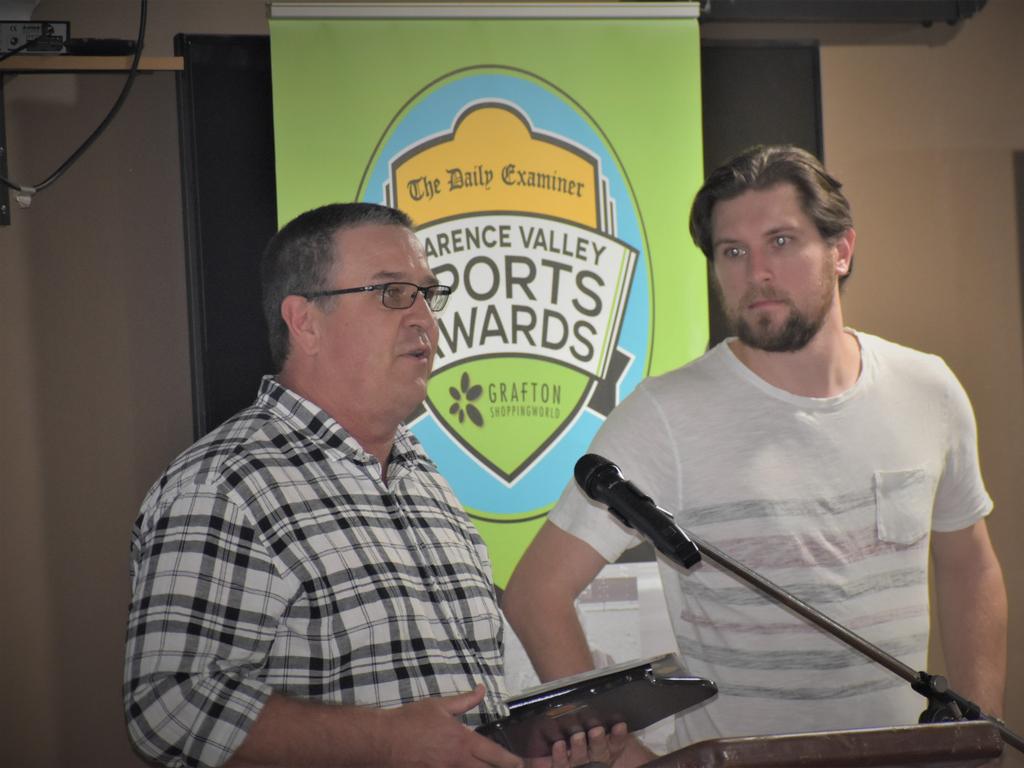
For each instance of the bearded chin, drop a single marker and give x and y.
(797, 329)
(795, 333)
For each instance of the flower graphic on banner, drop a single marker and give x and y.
(471, 392)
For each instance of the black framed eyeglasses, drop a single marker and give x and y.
(396, 295)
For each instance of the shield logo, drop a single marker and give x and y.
(524, 206)
(521, 223)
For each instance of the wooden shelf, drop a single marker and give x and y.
(55, 63)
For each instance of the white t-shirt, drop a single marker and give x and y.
(831, 498)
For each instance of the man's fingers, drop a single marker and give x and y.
(579, 753)
(594, 746)
(599, 746)
(459, 703)
(490, 753)
(559, 755)
(617, 741)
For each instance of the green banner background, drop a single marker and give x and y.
(338, 84)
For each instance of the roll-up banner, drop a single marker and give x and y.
(548, 154)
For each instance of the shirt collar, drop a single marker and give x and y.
(303, 415)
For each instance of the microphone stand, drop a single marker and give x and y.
(944, 704)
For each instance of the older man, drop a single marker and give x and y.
(306, 589)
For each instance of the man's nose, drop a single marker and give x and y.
(420, 313)
(759, 265)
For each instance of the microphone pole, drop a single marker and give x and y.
(602, 481)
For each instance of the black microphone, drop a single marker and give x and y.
(603, 482)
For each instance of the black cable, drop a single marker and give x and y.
(19, 49)
(29, 191)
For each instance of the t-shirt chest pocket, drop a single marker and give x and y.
(903, 505)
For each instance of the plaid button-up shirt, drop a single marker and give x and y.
(272, 557)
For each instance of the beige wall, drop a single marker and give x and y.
(924, 140)
(94, 378)
(94, 383)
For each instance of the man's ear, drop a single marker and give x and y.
(844, 251)
(301, 315)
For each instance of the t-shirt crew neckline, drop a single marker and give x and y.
(867, 372)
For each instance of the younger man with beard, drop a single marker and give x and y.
(829, 460)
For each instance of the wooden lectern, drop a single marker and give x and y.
(945, 745)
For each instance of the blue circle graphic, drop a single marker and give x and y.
(433, 112)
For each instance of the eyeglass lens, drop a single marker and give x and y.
(403, 295)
